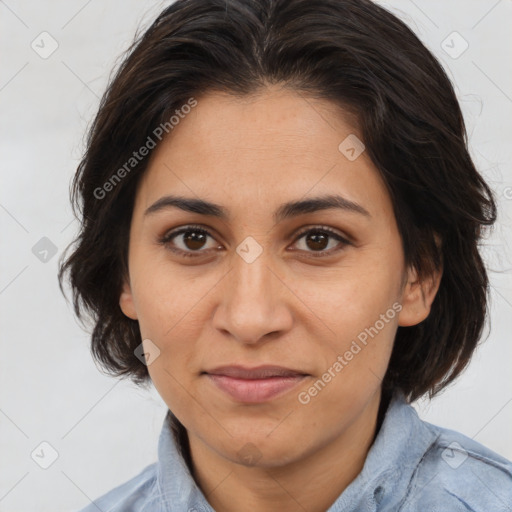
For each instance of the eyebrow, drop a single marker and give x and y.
(285, 211)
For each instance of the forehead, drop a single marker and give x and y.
(269, 147)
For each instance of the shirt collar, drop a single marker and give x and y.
(400, 444)
(176, 486)
(390, 463)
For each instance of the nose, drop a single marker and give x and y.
(255, 303)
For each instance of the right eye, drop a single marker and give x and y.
(189, 240)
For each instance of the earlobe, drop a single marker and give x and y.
(126, 302)
(417, 298)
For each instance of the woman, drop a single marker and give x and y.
(279, 229)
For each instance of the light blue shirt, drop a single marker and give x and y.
(412, 466)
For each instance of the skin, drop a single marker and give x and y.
(287, 307)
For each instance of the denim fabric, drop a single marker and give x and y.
(412, 466)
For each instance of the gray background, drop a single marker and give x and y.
(106, 431)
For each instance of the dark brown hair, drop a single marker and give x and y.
(351, 52)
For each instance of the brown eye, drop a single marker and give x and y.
(194, 240)
(318, 240)
(188, 240)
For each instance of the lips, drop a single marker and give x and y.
(259, 372)
(254, 385)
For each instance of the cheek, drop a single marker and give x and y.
(352, 296)
(358, 303)
(166, 318)
(164, 295)
(352, 375)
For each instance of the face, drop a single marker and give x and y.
(315, 289)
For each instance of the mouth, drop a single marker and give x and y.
(255, 385)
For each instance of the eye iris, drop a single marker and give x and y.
(319, 240)
(194, 239)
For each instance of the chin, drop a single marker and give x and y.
(258, 448)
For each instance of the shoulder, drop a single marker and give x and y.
(457, 473)
(133, 495)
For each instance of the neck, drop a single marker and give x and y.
(311, 483)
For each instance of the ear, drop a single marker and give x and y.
(417, 297)
(126, 301)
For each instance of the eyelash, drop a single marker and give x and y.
(166, 238)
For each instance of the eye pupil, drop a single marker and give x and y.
(194, 239)
(319, 240)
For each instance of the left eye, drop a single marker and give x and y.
(318, 239)
(192, 240)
